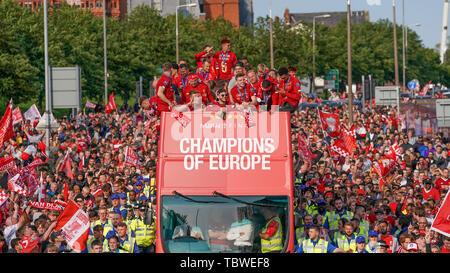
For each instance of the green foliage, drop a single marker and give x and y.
(139, 44)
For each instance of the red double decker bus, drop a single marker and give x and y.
(220, 180)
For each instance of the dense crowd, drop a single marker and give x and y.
(339, 203)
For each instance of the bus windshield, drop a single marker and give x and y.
(202, 224)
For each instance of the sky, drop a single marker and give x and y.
(427, 13)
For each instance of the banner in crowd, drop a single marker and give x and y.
(330, 123)
(90, 105)
(304, 150)
(131, 158)
(32, 113)
(387, 163)
(111, 106)
(44, 205)
(420, 117)
(441, 222)
(6, 125)
(346, 143)
(17, 116)
(7, 163)
(74, 224)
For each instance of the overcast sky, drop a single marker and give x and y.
(428, 13)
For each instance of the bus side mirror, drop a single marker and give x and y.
(297, 220)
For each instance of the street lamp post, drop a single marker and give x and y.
(48, 106)
(271, 37)
(349, 65)
(176, 23)
(395, 47)
(314, 48)
(405, 48)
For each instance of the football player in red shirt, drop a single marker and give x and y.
(195, 84)
(241, 93)
(164, 90)
(182, 80)
(206, 54)
(205, 73)
(288, 89)
(225, 60)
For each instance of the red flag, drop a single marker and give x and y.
(3, 198)
(330, 123)
(348, 138)
(90, 105)
(6, 125)
(12, 185)
(66, 166)
(383, 167)
(17, 115)
(441, 222)
(304, 150)
(394, 152)
(66, 191)
(74, 224)
(111, 106)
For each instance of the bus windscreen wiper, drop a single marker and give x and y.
(196, 201)
(247, 203)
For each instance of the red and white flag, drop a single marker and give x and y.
(90, 105)
(131, 158)
(74, 224)
(394, 152)
(66, 166)
(111, 106)
(330, 123)
(13, 186)
(304, 150)
(180, 117)
(17, 116)
(441, 222)
(383, 167)
(32, 113)
(3, 198)
(425, 89)
(97, 192)
(6, 124)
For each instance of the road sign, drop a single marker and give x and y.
(412, 85)
(331, 80)
(387, 95)
(66, 87)
(443, 112)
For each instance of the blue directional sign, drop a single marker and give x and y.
(412, 85)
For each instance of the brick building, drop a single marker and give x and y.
(357, 17)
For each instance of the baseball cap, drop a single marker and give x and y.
(114, 196)
(143, 198)
(321, 201)
(412, 246)
(140, 177)
(360, 239)
(122, 195)
(138, 183)
(373, 233)
(146, 179)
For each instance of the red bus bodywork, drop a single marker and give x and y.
(171, 174)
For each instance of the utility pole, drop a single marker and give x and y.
(349, 65)
(444, 32)
(271, 37)
(395, 48)
(105, 61)
(404, 46)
